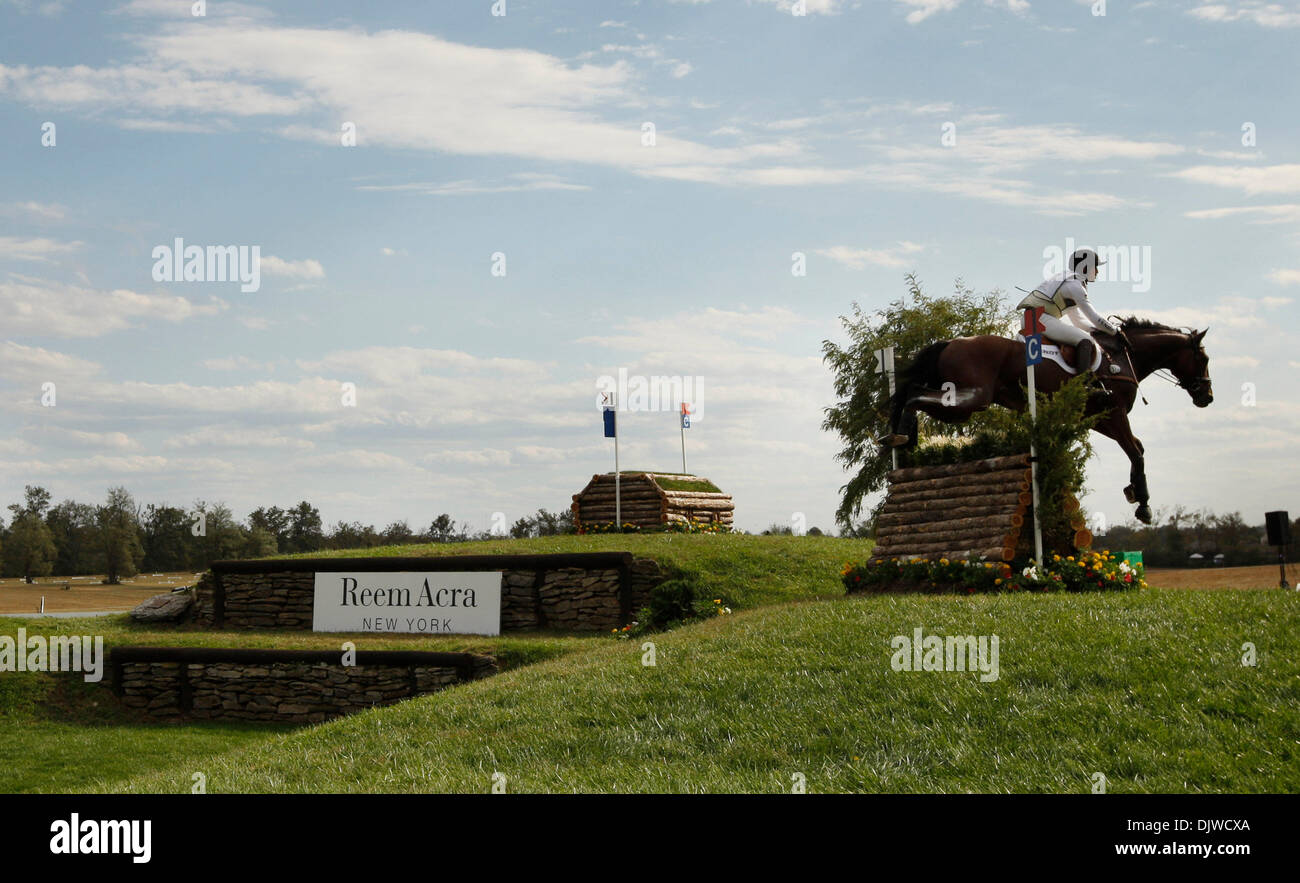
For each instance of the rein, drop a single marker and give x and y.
(1193, 387)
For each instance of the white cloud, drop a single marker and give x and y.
(182, 9)
(53, 309)
(118, 441)
(519, 181)
(135, 88)
(1264, 14)
(38, 211)
(923, 9)
(39, 249)
(1251, 180)
(1285, 277)
(859, 258)
(305, 269)
(478, 457)
(401, 88)
(1004, 147)
(237, 363)
(24, 365)
(217, 436)
(1262, 214)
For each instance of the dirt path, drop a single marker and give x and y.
(1262, 576)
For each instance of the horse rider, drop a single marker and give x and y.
(1067, 315)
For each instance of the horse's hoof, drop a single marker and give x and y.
(893, 441)
(1143, 513)
(1130, 494)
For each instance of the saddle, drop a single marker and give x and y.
(1114, 364)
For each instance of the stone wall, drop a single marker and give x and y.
(571, 592)
(290, 686)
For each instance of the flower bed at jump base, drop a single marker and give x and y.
(1085, 572)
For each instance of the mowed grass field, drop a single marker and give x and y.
(84, 594)
(1145, 687)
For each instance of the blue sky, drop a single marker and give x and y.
(522, 134)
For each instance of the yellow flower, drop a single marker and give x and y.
(943, 560)
(997, 582)
(1070, 558)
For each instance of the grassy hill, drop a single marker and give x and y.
(59, 734)
(1147, 688)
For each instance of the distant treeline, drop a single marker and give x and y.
(1177, 535)
(120, 539)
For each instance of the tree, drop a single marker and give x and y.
(75, 533)
(543, 524)
(354, 535)
(221, 536)
(398, 533)
(443, 530)
(550, 524)
(29, 548)
(166, 538)
(861, 415)
(119, 535)
(306, 534)
(273, 520)
(35, 501)
(258, 543)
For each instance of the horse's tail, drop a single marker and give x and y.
(921, 373)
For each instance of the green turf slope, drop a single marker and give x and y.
(1147, 688)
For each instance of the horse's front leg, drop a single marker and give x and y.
(1116, 426)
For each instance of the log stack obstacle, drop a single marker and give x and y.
(979, 509)
(653, 499)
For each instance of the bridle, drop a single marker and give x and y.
(1196, 387)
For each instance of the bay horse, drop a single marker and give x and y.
(952, 379)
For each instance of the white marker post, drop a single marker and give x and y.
(1033, 355)
(885, 365)
(684, 422)
(618, 490)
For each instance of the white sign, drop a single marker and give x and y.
(436, 603)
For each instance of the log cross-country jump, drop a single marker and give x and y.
(952, 379)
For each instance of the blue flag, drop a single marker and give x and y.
(610, 431)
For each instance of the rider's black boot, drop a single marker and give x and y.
(1084, 352)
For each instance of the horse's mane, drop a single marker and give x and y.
(1133, 322)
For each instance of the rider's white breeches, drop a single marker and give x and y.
(1063, 332)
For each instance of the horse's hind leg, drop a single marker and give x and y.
(953, 404)
(902, 430)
